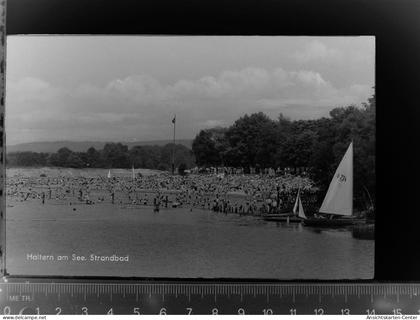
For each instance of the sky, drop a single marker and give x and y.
(128, 88)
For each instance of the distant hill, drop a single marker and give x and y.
(82, 146)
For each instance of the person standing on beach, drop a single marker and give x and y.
(156, 204)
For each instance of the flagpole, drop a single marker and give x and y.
(173, 147)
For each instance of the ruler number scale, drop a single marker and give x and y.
(207, 298)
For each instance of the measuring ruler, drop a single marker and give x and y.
(145, 297)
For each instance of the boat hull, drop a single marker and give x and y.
(282, 219)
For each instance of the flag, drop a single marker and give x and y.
(174, 119)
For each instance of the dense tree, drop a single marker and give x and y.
(205, 149)
(137, 156)
(74, 161)
(62, 155)
(181, 155)
(113, 155)
(252, 140)
(297, 149)
(256, 140)
(93, 158)
(334, 136)
(24, 159)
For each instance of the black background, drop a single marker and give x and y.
(396, 25)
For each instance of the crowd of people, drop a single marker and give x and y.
(220, 192)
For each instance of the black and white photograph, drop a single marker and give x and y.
(212, 157)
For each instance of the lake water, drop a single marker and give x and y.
(177, 243)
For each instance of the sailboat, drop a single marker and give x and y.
(298, 212)
(297, 216)
(133, 175)
(109, 174)
(301, 213)
(337, 208)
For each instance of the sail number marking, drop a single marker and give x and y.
(341, 177)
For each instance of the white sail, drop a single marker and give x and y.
(301, 213)
(295, 207)
(133, 176)
(109, 174)
(339, 198)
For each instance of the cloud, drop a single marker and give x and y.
(316, 50)
(31, 89)
(141, 106)
(212, 123)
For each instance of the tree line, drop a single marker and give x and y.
(113, 155)
(258, 141)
